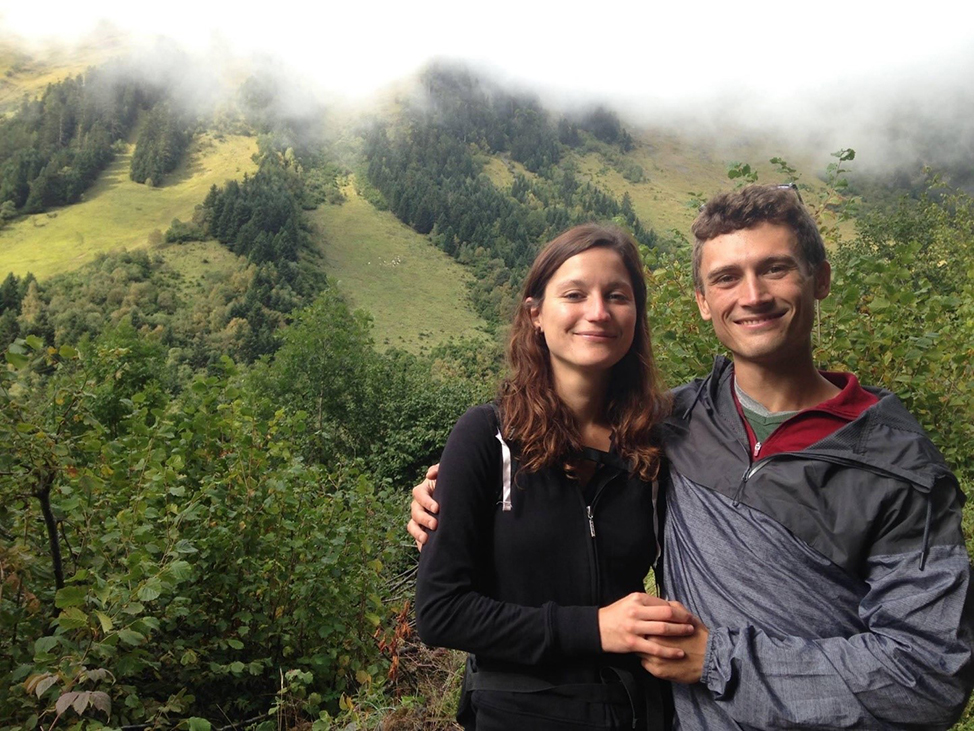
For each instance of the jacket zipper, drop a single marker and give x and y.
(590, 517)
(754, 468)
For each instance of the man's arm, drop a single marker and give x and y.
(423, 508)
(908, 665)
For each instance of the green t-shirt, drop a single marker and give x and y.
(762, 421)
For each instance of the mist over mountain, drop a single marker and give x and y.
(893, 87)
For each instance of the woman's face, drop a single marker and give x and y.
(588, 314)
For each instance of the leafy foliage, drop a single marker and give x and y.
(184, 560)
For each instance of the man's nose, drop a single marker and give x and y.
(755, 290)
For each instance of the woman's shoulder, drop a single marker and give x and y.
(479, 421)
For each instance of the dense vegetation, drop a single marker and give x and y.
(202, 486)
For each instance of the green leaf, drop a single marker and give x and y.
(235, 644)
(72, 618)
(150, 590)
(16, 360)
(66, 351)
(180, 570)
(237, 667)
(105, 621)
(70, 596)
(34, 342)
(131, 637)
(43, 645)
(197, 724)
(184, 546)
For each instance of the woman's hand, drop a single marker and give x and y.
(628, 624)
(423, 508)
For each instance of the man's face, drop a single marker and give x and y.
(759, 296)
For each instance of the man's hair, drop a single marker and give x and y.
(533, 415)
(751, 206)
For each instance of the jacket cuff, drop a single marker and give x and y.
(719, 672)
(575, 630)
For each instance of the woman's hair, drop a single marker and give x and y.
(534, 417)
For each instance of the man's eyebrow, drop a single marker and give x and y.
(721, 271)
(767, 261)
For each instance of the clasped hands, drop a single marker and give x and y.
(669, 639)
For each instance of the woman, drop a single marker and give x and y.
(547, 506)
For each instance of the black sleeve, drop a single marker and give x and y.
(451, 610)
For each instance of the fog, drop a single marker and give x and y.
(894, 86)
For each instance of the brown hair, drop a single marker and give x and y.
(751, 206)
(535, 419)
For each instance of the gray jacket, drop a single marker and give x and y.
(835, 580)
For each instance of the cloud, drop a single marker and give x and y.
(834, 73)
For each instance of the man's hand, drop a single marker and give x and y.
(423, 508)
(636, 623)
(684, 668)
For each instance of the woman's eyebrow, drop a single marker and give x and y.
(582, 283)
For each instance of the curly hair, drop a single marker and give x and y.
(751, 206)
(534, 417)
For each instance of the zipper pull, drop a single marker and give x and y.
(591, 520)
(740, 488)
(757, 450)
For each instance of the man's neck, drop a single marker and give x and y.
(794, 387)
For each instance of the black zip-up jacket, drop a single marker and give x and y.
(521, 587)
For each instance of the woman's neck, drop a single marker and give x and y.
(585, 398)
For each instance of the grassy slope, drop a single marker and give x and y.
(415, 293)
(117, 213)
(676, 166)
(201, 264)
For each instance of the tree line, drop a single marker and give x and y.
(163, 139)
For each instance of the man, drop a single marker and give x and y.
(810, 524)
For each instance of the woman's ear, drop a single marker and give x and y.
(534, 309)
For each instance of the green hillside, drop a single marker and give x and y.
(416, 295)
(117, 213)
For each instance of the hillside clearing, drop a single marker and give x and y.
(415, 293)
(117, 213)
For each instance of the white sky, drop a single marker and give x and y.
(632, 51)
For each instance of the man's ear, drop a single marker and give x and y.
(702, 304)
(823, 280)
